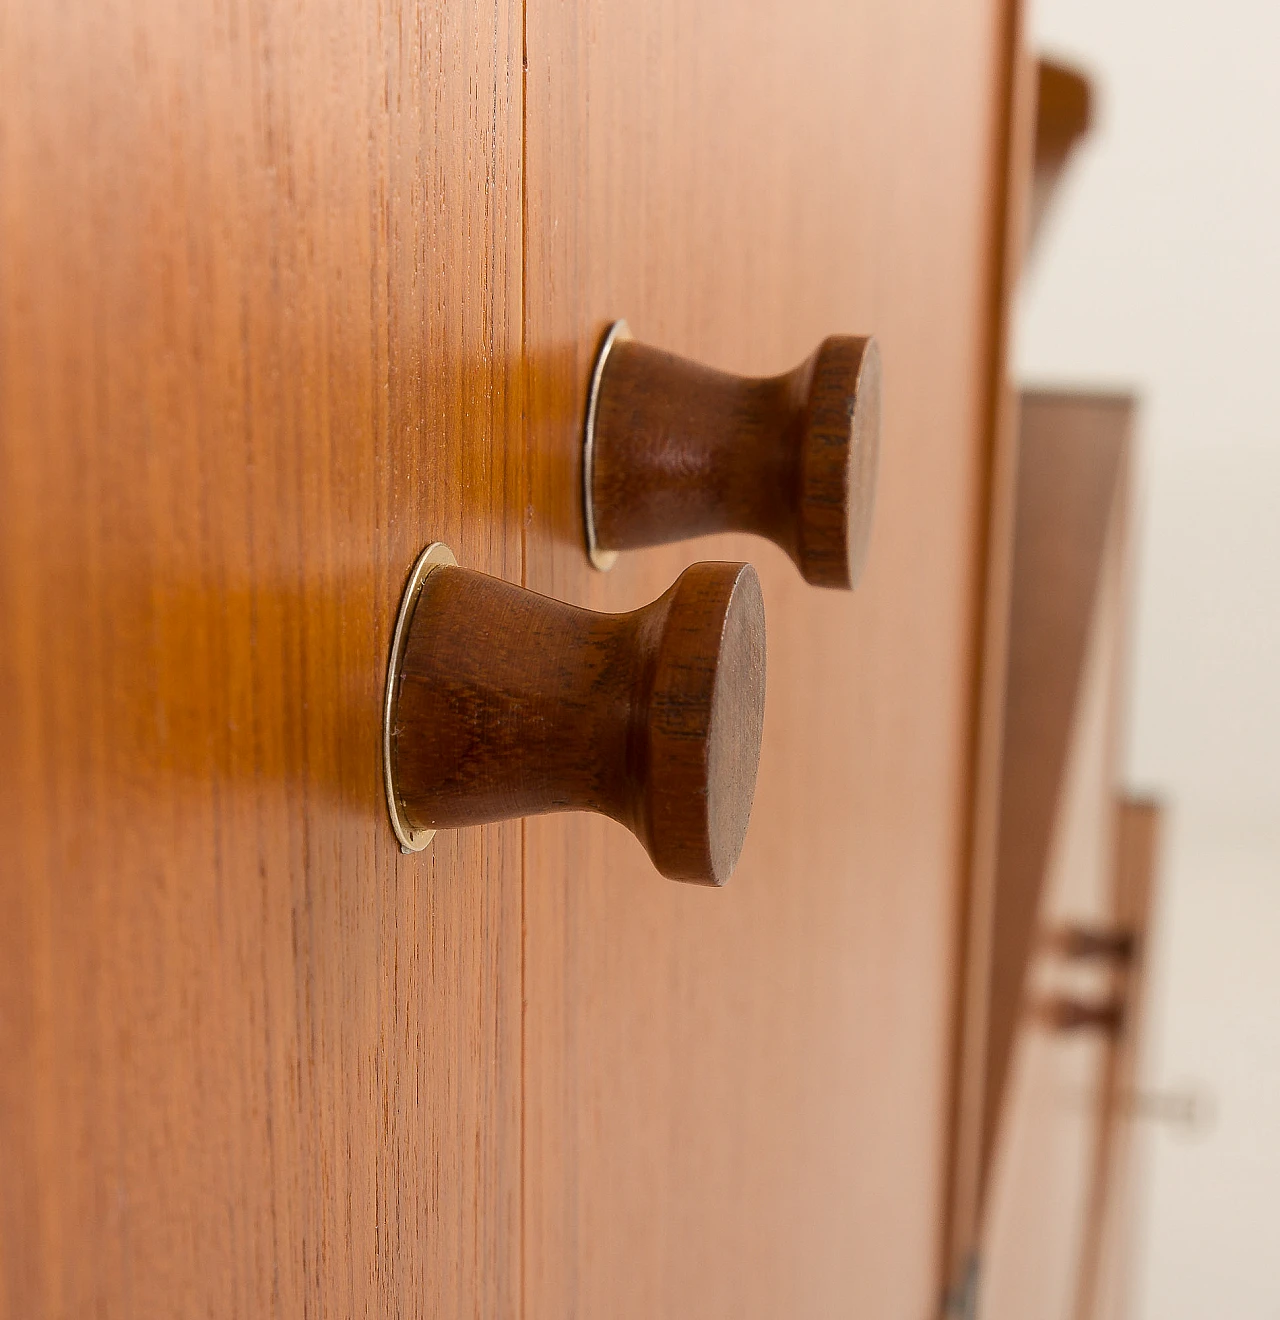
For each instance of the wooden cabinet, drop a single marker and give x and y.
(1111, 1234)
(1075, 858)
(287, 293)
(741, 1107)
(1057, 848)
(261, 334)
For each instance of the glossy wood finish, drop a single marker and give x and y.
(763, 1130)
(677, 450)
(509, 704)
(263, 312)
(259, 300)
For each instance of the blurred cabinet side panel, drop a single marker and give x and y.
(1048, 1089)
(738, 1102)
(1112, 1241)
(260, 305)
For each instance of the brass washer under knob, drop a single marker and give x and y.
(604, 560)
(436, 555)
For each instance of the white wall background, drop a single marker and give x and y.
(1159, 270)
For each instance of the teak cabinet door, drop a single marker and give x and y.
(737, 1103)
(287, 292)
(261, 293)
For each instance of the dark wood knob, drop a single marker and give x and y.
(1116, 945)
(503, 703)
(675, 450)
(1063, 1013)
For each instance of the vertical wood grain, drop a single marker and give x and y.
(259, 312)
(738, 1103)
(1011, 187)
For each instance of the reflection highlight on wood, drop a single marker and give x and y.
(253, 1061)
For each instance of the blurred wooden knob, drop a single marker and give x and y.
(503, 703)
(1063, 1013)
(1116, 944)
(675, 450)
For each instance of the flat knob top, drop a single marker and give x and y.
(706, 716)
(674, 449)
(839, 461)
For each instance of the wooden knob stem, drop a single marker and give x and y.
(503, 703)
(675, 450)
(1063, 1013)
(1094, 942)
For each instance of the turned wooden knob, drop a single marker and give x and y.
(1063, 1013)
(675, 450)
(1095, 942)
(503, 703)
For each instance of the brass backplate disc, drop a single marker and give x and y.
(604, 560)
(436, 555)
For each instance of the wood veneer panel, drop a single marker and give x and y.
(1042, 1173)
(1049, 110)
(737, 1103)
(1013, 186)
(1070, 475)
(259, 307)
(1106, 1291)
